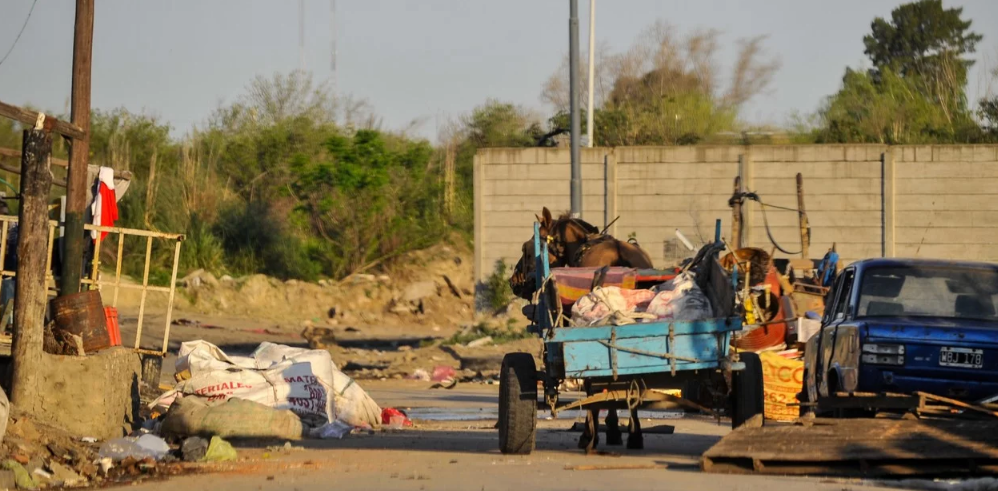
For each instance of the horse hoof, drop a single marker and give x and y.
(588, 443)
(635, 443)
(614, 439)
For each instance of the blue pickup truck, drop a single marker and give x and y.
(901, 326)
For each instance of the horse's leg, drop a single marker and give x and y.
(613, 436)
(636, 440)
(590, 435)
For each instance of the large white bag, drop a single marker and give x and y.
(301, 380)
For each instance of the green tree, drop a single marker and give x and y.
(928, 43)
(916, 90)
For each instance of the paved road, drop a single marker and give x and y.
(462, 455)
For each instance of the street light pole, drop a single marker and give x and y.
(592, 72)
(573, 78)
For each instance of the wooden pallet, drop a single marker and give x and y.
(860, 447)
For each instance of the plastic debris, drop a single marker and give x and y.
(194, 449)
(105, 464)
(21, 476)
(337, 429)
(88, 439)
(394, 418)
(440, 374)
(220, 450)
(419, 374)
(148, 445)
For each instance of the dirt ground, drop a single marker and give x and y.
(388, 325)
(463, 455)
(382, 332)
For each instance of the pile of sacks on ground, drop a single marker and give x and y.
(278, 391)
(679, 299)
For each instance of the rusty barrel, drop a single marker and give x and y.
(82, 314)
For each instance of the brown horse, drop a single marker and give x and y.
(574, 243)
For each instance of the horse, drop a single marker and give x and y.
(572, 242)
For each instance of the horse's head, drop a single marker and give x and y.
(563, 235)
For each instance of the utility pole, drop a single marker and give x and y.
(592, 72)
(32, 248)
(76, 181)
(573, 79)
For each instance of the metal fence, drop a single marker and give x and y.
(95, 280)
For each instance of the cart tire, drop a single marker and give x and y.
(517, 404)
(747, 399)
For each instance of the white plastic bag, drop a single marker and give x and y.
(301, 380)
(597, 306)
(147, 445)
(680, 299)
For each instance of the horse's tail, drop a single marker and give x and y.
(634, 255)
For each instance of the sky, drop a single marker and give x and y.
(426, 60)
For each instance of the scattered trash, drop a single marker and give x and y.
(301, 380)
(419, 374)
(194, 449)
(21, 476)
(232, 418)
(220, 450)
(105, 464)
(447, 384)
(88, 439)
(395, 419)
(43, 474)
(148, 445)
(337, 429)
(442, 373)
(63, 474)
(487, 340)
(286, 448)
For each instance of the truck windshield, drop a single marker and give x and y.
(916, 291)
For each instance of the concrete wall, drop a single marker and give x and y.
(870, 200)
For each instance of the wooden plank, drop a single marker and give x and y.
(16, 154)
(30, 290)
(872, 440)
(28, 118)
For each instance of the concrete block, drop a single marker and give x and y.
(985, 153)
(95, 395)
(907, 153)
(923, 153)
(946, 153)
(943, 186)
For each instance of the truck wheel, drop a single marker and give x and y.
(517, 404)
(747, 400)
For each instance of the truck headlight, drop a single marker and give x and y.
(883, 354)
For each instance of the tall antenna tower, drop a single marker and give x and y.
(301, 35)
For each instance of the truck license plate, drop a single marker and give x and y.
(961, 357)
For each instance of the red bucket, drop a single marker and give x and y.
(113, 332)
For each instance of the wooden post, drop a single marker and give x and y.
(805, 240)
(736, 215)
(30, 292)
(76, 180)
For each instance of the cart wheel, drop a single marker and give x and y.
(517, 404)
(747, 400)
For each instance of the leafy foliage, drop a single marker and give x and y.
(915, 92)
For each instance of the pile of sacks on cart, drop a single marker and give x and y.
(679, 299)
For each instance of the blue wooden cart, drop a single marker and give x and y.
(628, 366)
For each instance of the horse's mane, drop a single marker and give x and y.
(590, 228)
